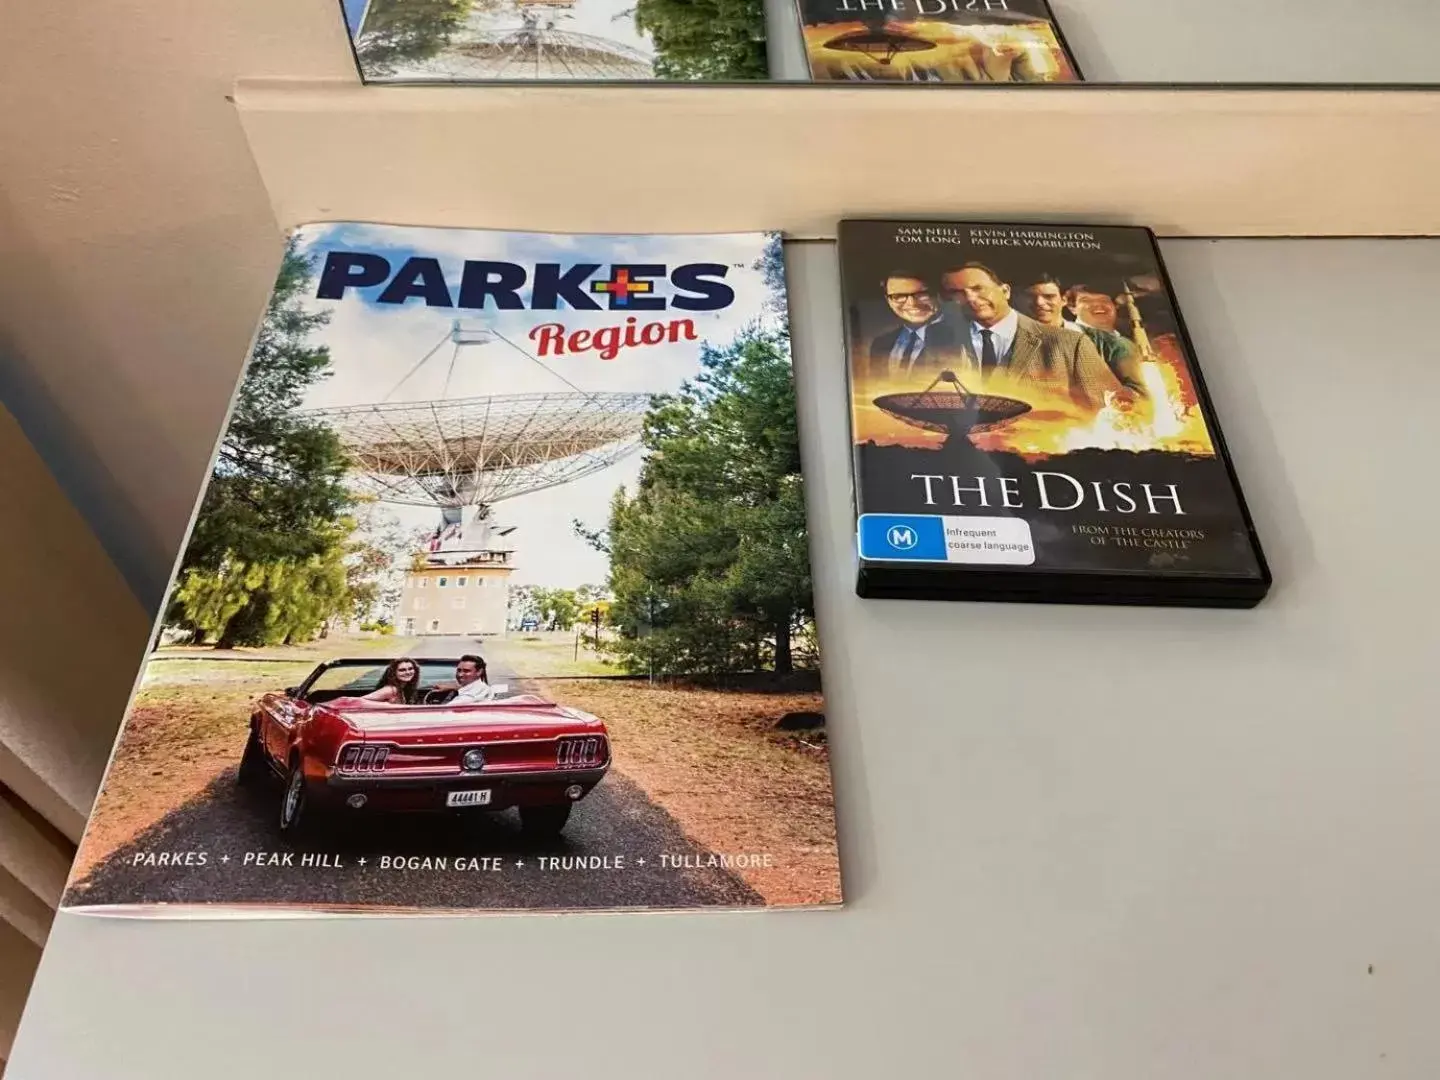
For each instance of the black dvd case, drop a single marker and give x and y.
(936, 41)
(1029, 422)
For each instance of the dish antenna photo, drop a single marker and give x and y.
(955, 413)
(881, 45)
(464, 455)
(526, 39)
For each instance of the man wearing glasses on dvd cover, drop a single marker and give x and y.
(924, 340)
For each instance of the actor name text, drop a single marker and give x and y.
(1028, 238)
(552, 339)
(1042, 238)
(1053, 491)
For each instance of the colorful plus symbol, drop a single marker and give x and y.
(620, 287)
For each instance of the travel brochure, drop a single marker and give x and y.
(498, 597)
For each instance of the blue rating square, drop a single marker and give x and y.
(902, 538)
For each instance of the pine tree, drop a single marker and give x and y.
(709, 556)
(275, 497)
(705, 39)
(405, 31)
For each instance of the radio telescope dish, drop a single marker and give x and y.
(882, 46)
(526, 41)
(474, 452)
(954, 413)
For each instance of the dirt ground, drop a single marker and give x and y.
(714, 760)
(186, 726)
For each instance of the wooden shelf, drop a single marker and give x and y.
(1191, 161)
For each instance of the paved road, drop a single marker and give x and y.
(226, 823)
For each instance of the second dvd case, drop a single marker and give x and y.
(935, 41)
(1030, 423)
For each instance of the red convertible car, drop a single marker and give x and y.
(339, 755)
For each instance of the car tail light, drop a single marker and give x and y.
(580, 751)
(362, 757)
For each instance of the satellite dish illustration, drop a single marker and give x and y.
(954, 413)
(530, 39)
(465, 455)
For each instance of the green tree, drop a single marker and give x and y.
(277, 477)
(396, 32)
(558, 608)
(282, 601)
(275, 496)
(705, 39)
(772, 265)
(207, 599)
(380, 551)
(521, 604)
(709, 557)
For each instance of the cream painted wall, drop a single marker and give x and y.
(138, 242)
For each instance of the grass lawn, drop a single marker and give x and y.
(313, 651)
(548, 652)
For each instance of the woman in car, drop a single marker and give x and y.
(400, 685)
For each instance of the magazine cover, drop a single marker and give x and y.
(426, 41)
(498, 597)
(942, 41)
(1030, 422)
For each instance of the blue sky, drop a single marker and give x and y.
(353, 10)
(373, 346)
(599, 17)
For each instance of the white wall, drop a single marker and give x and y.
(139, 245)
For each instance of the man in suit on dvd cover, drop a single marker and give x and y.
(923, 341)
(994, 339)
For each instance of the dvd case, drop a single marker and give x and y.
(1030, 422)
(936, 41)
(470, 41)
(497, 598)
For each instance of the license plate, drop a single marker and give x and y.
(468, 798)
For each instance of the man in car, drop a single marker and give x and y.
(472, 685)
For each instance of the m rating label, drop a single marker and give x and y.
(993, 541)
